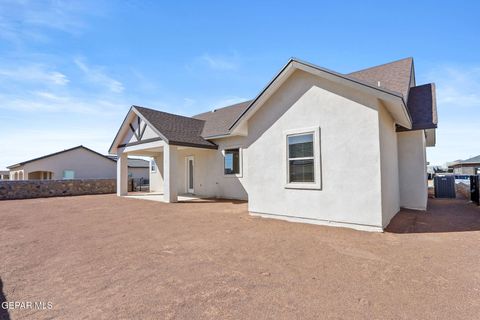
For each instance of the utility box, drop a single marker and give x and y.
(444, 187)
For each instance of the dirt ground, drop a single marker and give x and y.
(104, 257)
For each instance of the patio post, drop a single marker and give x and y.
(169, 173)
(122, 174)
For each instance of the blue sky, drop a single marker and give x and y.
(69, 71)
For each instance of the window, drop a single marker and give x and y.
(232, 161)
(303, 158)
(153, 166)
(300, 158)
(68, 174)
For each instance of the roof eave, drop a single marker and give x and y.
(297, 64)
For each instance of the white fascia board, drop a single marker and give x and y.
(122, 131)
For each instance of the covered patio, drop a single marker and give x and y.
(175, 146)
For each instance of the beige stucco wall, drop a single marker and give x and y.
(350, 154)
(412, 170)
(389, 167)
(87, 165)
(467, 169)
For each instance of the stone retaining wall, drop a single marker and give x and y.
(55, 188)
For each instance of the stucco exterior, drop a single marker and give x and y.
(412, 170)
(350, 190)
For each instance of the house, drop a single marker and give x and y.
(470, 166)
(76, 163)
(289, 149)
(4, 175)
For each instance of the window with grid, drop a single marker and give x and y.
(301, 159)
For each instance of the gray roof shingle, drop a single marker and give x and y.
(219, 121)
(177, 130)
(471, 160)
(423, 107)
(394, 76)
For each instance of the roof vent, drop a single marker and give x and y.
(379, 84)
(214, 110)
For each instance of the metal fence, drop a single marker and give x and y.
(139, 184)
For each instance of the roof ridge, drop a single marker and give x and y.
(169, 113)
(381, 65)
(229, 106)
(57, 153)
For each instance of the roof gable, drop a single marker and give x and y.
(396, 102)
(175, 129)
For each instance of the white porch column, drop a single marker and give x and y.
(122, 174)
(169, 173)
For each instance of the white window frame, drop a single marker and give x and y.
(317, 174)
(240, 162)
(153, 166)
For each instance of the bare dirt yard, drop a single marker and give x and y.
(103, 257)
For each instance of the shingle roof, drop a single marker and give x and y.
(57, 153)
(219, 121)
(394, 76)
(177, 130)
(423, 107)
(133, 163)
(471, 160)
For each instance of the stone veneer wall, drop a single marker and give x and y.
(55, 188)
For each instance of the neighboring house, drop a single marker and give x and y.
(4, 175)
(470, 166)
(289, 151)
(75, 163)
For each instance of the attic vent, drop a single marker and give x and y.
(379, 83)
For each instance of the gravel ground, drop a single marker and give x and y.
(103, 257)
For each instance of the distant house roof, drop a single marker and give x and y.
(473, 160)
(132, 163)
(57, 153)
(176, 129)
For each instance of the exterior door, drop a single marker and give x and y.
(190, 168)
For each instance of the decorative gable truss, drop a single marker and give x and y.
(139, 131)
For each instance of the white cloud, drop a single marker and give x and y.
(221, 62)
(34, 73)
(458, 103)
(457, 86)
(27, 20)
(97, 75)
